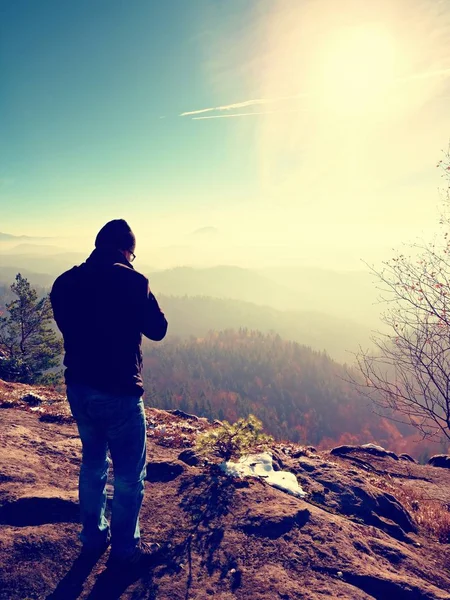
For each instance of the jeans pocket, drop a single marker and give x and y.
(77, 401)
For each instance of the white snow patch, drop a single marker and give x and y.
(260, 465)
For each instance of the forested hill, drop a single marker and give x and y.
(299, 394)
(196, 315)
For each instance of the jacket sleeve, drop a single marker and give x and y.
(154, 323)
(57, 305)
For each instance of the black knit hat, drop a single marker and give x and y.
(116, 235)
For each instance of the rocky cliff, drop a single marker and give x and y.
(371, 526)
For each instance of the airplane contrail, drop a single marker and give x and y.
(249, 114)
(243, 104)
(260, 101)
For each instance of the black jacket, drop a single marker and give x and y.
(102, 308)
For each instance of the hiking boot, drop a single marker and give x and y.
(143, 553)
(94, 552)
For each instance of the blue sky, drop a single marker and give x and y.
(84, 86)
(307, 123)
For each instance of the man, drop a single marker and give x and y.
(102, 308)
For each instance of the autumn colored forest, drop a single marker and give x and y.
(299, 394)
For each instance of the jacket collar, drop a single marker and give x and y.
(101, 257)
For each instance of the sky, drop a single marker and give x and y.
(261, 131)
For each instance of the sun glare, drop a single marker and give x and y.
(357, 71)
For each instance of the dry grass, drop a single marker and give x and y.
(431, 516)
(53, 407)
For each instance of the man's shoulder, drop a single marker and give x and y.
(122, 275)
(67, 276)
(130, 275)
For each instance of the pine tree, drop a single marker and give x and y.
(28, 345)
(233, 441)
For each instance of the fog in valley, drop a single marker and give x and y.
(325, 307)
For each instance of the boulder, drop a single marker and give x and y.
(377, 508)
(440, 460)
(365, 448)
(300, 452)
(306, 465)
(32, 399)
(304, 451)
(189, 457)
(406, 457)
(184, 415)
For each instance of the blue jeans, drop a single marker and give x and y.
(118, 423)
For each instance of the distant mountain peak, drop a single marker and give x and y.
(9, 237)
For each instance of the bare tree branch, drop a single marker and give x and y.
(407, 376)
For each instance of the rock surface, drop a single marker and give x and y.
(351, 538)
(190, 457)
(407, 457)
(32, 399)
(440, 460)
(365, 449)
